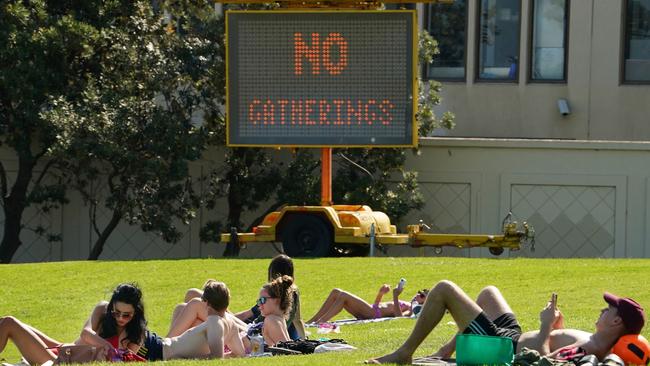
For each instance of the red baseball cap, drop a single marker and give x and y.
(629, 310)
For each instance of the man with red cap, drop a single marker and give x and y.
(491, 315)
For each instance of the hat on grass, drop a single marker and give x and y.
(629, 310)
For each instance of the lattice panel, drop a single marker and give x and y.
(36, 248)
(447, 210)
(569, 221)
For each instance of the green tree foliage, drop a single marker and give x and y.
(44, 50)
(129, 138)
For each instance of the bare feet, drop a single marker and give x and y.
(392, 358)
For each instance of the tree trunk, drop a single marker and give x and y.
(99, 243)
(14, 206)
(234, 206)
(11, 239)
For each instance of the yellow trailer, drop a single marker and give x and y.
(318, 231)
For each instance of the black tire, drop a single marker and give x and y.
(496, 250)
(350, 250)
(306, 236)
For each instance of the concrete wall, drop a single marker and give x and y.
(584, 199)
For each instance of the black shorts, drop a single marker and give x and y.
(504, 326)
(152, 347)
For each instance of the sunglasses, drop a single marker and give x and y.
(121, 314)
(423, 293)
(263, 299)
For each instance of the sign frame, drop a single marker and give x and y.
(411, 121)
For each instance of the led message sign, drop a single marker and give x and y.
(321, 78)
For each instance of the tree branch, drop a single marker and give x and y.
(43, 172)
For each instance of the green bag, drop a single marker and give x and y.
(473, 349)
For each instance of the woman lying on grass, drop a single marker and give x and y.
(119, 324)
(339, 300)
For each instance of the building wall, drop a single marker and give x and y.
(602, 107)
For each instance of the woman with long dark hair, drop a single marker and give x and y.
(119, 324)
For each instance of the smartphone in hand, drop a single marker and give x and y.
(554, 300)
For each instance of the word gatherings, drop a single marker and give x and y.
(323, 56)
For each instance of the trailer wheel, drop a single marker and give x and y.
(306, 236)
(496, 250)
(350, 250)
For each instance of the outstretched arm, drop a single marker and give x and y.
(397, 310)
(548, 318)
(298, 323)
(382, 291)
(89, 332)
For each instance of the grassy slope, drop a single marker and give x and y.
(58, 297)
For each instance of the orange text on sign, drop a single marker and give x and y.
(323, 112)
(319, 53)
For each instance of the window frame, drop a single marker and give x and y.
(531, 46)
(425, 74)
(477, 56)
(622, 69)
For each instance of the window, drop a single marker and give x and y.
(498, 39)
(637, 41)
(446, 22)
(549, 40)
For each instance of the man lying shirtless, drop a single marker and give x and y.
(491, 315)
(208, 339)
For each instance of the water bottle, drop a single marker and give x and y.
(257, 345)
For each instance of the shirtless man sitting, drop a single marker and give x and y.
(491, 315)
(208, 339)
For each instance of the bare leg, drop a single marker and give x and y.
(192, 293)
(49, 342)
(186, 316)
(331, 298)
(445, 295)
(30, 344)
(493, 304)
(353, 304)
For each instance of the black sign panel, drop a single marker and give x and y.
(321, 78)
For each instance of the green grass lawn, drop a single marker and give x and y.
(58, 297)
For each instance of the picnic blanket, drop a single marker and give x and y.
(357, 321)
(433, 361)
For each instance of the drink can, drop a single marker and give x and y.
(257, 345)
